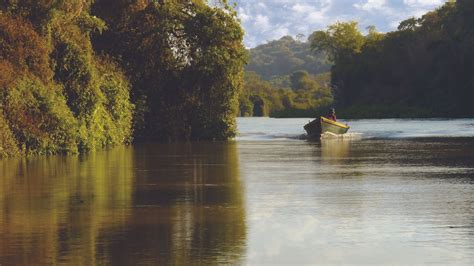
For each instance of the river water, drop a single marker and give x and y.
(391, 192)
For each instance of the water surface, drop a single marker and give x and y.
(401, 192)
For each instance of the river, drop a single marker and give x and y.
(391, 192)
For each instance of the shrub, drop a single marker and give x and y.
(97, 91)
(39, 118)
(116, 90)
(22, 48)
(8, 143)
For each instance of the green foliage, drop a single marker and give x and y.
(185, 66)
(21, 50)
(285, 78)
(373, 37)
(116, 90)
(301, 80)
(339, 40)
(74, 67)
(408, 24)
(97, 92)
(8, 143)
(426, 65)
(35, 117)
(245, 106)
(39, 118)
(62, 88)
(311, 94)
(280, 58)
(260, 105)
(57, 96)
(41, 13)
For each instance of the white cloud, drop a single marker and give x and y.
(372, 5)
(243, 15)
(302, 8)
(423, 2)
(280, 31)
(394, 24)
(316, 17)
(261, 5)
(262, 22)
(320, 15)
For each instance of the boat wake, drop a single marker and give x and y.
(277, 137)
(347, 136)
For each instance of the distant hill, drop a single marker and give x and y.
(285, 56)
(284, 78)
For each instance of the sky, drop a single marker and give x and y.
(266, 20)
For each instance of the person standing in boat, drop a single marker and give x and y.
(332, 116)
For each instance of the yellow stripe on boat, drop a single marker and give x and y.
(324, 119)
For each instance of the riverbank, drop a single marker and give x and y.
(375, 111)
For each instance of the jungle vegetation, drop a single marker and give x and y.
(77, 75)
(305, 96)
(280, 58)
(424, 69)
(285, 78)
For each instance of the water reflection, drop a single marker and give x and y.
(370, 201)
(337, 158)
(177, 203)
(188, 206)
(360, 202)
(54, 208)
(334, 150)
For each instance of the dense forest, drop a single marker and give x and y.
(424, 69)
(285, 78)
(76, 75)
(280, 58)
(304, 95)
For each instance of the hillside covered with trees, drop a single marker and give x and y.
(305, 95)
(76, 75)
(424, 69)
(285, 78)
(284, 56)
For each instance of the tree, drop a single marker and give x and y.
(373, 36)
(301, 80)
(259, 106)
(62, 96)
(33, 111)
(186, 67)
(339, 40)
(422, 69)
(408, 24)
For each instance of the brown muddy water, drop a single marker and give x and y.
(387, 196)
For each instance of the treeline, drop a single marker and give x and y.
(285, 78)
(76, 75)
(424, 69)
(305, 96)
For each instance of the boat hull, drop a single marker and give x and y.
(321, 125)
